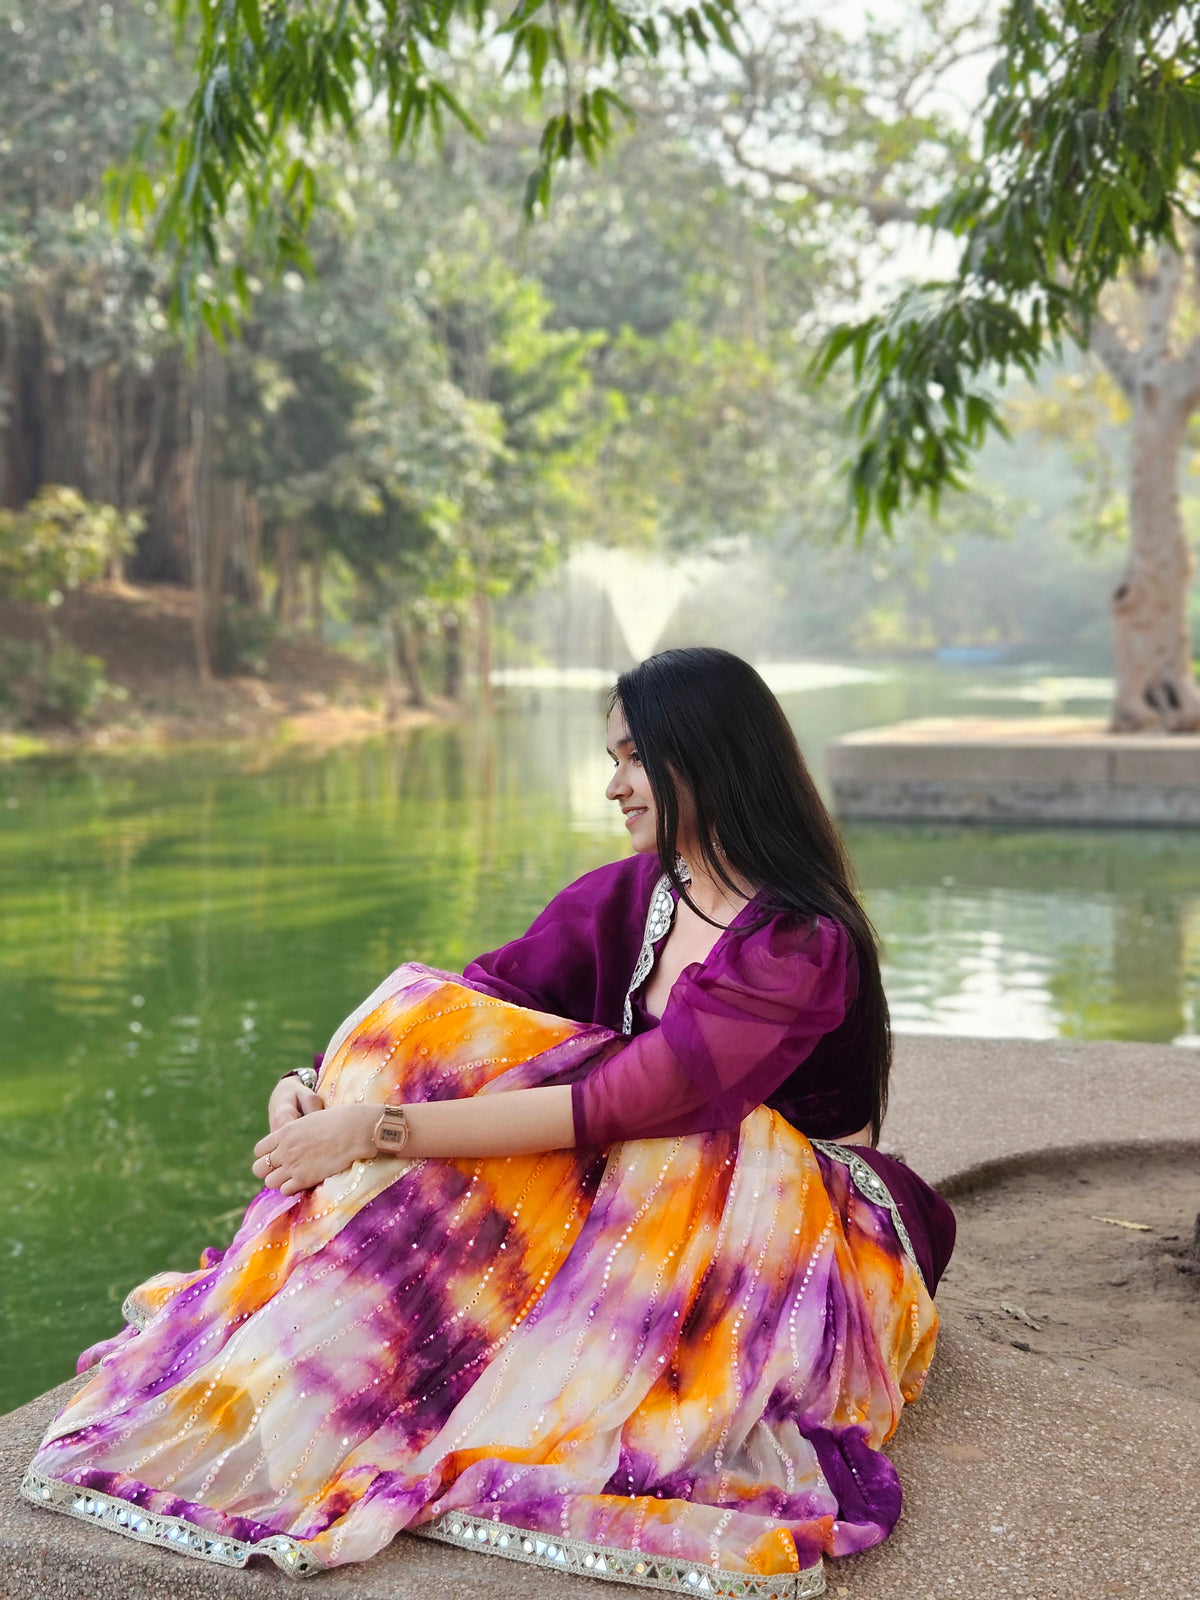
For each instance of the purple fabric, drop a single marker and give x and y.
(577, 958)
(784, 988)
(734, 1028)
(927, 1217)
(768, 1018)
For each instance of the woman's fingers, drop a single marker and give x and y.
(310, 1101)
(310, 1148)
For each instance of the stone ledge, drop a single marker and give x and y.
(1023, 1476)
(1049, 769)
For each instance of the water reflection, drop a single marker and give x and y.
(178, 931)
(1085, 933)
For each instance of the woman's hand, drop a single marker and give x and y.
(289, 1101)
(308, 1149)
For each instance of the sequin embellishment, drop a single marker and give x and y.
(872, 1187)
(170, 1533)
(620, 1566)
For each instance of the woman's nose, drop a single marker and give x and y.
(617, 786)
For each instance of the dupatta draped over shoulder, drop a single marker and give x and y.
(669, 1357)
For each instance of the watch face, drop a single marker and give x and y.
(391, 1131)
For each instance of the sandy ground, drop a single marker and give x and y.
(1037, 1268)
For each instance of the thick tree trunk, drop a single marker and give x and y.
(453, 663)
(245, 546)
(1152, 654)
(391, 662)
(409, 641)
(287, 566)
(316, 592)
(1155, 683)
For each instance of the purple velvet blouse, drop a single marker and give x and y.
(764, 1019)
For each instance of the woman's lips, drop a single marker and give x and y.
(632, 815)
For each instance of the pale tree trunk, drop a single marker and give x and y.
(1152, 645)
(1152, 648)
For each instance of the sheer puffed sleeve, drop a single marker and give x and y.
(734, 1028)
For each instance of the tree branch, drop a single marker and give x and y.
(1115, 352)
(880, 208)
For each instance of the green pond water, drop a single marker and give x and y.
(177, 930)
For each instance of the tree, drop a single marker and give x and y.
(1153, 656)
(447, 400)
(267, 81)
(852, 120)
(1089, 158)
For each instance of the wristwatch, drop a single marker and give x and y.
(391, 1131)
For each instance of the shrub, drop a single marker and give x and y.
(57, 541)
(243, 639)
(50, 685)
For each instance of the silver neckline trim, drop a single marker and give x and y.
(658, 920)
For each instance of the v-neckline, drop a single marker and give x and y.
(658, 928)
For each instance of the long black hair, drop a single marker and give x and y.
(705, 724)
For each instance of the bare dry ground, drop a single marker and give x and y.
(1087, 1261)
(143, 634)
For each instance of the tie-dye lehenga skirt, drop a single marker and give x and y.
(670, 1363)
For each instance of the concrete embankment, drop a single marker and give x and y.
(1061, 770)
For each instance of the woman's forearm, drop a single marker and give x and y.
(308, 1149)
(518, 1123)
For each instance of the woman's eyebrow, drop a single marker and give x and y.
(620, 744)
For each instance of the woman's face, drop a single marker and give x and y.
(630, 787)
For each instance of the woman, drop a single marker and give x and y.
(595, 1291)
